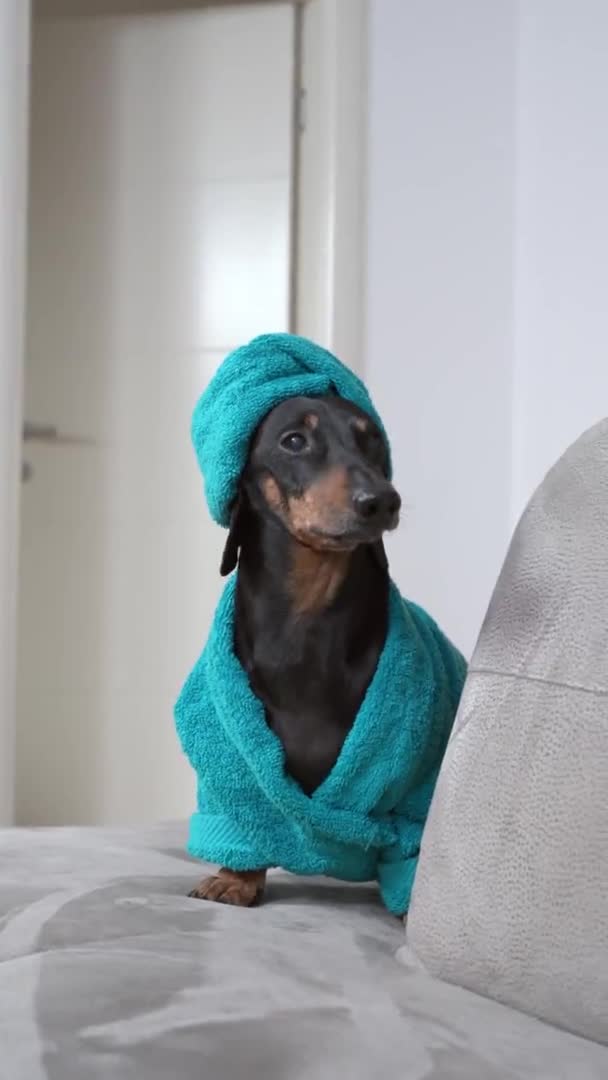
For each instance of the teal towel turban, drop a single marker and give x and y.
(248, 384)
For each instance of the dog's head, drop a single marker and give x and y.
(319, 466)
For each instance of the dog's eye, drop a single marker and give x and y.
(294, 442)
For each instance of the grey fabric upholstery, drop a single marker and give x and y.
(511, 895)
(108, 970)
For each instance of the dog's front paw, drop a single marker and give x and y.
(242, 889)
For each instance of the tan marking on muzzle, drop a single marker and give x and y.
(322, 503)
(272, 493)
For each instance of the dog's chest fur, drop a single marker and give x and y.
(311, 671)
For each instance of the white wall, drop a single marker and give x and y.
(561, 360)
(439, 333)
(14, 21)
(487, 343)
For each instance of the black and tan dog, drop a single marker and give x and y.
(313, 586)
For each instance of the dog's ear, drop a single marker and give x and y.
(379, 553)
(234, 540)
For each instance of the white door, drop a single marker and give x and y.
(159, 239)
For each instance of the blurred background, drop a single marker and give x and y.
(420, 185)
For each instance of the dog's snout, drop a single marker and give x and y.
(372, 506)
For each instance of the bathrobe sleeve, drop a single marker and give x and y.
(397, 863)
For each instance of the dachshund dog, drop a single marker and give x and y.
(313, 586)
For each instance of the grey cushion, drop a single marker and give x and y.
(107, 969)
(511, 895)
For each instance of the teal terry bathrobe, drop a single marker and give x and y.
(365, 821)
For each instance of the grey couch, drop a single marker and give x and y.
(107, 969)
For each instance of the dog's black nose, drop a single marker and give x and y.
(373, 505)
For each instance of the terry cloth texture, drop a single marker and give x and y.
(365, 821)
(249, 383)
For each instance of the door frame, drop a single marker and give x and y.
(14, 97)
(328, 244)
(331, 178)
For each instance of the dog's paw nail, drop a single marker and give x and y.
(222, 890)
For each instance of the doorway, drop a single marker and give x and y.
(159, 238)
